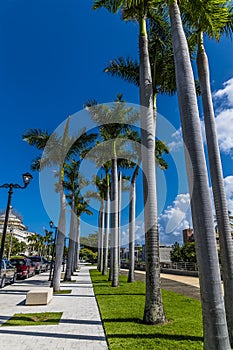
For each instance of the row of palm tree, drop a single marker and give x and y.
(41, 244)
(161, 35)
(212, 17)
(114, 134)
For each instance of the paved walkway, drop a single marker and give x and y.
(80, 327)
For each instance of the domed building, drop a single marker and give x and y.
(15, 226)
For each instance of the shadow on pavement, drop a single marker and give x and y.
(52, 335)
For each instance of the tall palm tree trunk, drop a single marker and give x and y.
(153, 311)
(100, 236)
(119, 217)
(99, 233)
(60, 243)
(71, 247)
(114, 225)
(110, 276)
(106, 234)
(132, 215)
(225, 238)
(213, 311)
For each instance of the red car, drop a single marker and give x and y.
(25, 267)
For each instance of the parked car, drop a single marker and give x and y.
(48, 264)
(39, 263)
(8, 273)
(25, 267)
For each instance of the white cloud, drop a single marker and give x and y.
(174, 219)
(139, 234)
(226, 93)
(177, 141)
(224, 116)
(177, 217)
(223, 99)
(228, 182)
(224, 125)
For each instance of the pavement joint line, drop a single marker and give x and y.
(80, 327)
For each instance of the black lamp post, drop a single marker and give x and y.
(26, 179)
(53, 253)
(64, 254)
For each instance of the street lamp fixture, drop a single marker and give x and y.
(27, 177)
(51, 224)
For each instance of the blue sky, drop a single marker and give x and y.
(52, 55)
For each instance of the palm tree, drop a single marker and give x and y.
(48, 240)
(114, 121)
(57, 149)
(106, 229)
(101, 187)
(161, 62)
(55, 153)
(159, 150)
(163, 78)
(215, 336)
(71, 186)
(100, 196)
(32, 240)
(81, 207)
(153, 312)
(212, 18)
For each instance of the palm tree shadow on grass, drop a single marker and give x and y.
(175, 337)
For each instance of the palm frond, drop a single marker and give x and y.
(124, 68)
(210, 17)
(111, 6)
(36, 137)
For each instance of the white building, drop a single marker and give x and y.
(15, 227)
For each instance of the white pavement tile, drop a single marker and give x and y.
(80, 327)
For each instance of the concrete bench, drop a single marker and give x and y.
(40, 296)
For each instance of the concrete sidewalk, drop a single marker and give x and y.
(80, 327)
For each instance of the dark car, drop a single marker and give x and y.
(8, 273)
(25, 267)
(48, 264)
(39, 263)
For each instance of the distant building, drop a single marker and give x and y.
(188, 235)
(15, 227)
(164, 253)
(137, 252)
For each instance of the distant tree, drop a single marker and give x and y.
(185, 253)
(90, 242)
(175, 253)
(88, 255)
(13, 244)
(188, 252)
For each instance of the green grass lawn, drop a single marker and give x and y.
(63, 291)
(34, 319)
(72, 281)
(122, 312)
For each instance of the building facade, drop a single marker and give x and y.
(15, 227)
(188, 235)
